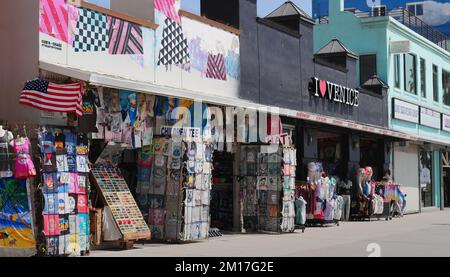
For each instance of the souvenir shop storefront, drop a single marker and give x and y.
(345, 154)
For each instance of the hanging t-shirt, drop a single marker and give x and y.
(82, 145)
(49, 163)
(60, 143)
(47, 141)
(71, 143)
(87, 122)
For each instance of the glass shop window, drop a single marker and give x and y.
(446, 87)
(435, 84)
(397, 71)
(410, 66)
(367, 67)
(423, 84)
(426, 178)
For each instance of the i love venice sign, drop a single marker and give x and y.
(334, 92)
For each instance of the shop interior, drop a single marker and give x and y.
(222, 192)
(331, 149)
(446, 172)
(370, 155)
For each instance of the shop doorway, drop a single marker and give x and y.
(331, 152)
(222, 192)
(446, 187)
(372, 154)
(446, 178)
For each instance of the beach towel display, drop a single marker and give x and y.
(16, 226)
(65, 186)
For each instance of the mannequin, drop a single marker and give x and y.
(10, 136)
(6, 160)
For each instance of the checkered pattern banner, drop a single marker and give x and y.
(91, 32)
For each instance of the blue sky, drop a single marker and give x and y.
(264, 6)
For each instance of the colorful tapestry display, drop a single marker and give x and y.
(16, 231)
(65, 189)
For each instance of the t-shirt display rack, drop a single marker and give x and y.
(267, 183)
(65, 189)
(174, 185)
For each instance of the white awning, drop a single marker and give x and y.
(143, 87)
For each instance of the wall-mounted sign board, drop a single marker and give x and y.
(405, 111)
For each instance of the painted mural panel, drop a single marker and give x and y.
(111, 46)
(171, 46)
(433, 12)
(215, 64)
(180, 53)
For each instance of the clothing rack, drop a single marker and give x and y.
(307, 190)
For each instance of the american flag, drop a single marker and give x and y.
(51, 97)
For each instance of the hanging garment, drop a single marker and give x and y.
(300, 211)
(338, 207)
(87, 122)
(216, 67)
(379, 205)
(329, 212)
(346, 208)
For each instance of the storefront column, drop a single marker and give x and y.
(441, 185)
(437, 171)
(310, 151)
(237, 227)
(354, 157)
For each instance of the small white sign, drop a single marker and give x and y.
(430, 118)
(398, 47)
(446, 123)
(186, 132)
(406, 111)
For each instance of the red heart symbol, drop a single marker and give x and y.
(323, 87)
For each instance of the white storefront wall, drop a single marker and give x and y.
(406, 173)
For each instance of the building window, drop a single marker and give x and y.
(410, 73)
(435, 84)
(426, 178)
(446, 87)
(415, 8)
(379, 11)
(367, 67)
(397, 70)
(423, 77)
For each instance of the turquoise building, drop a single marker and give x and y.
(402, 51)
